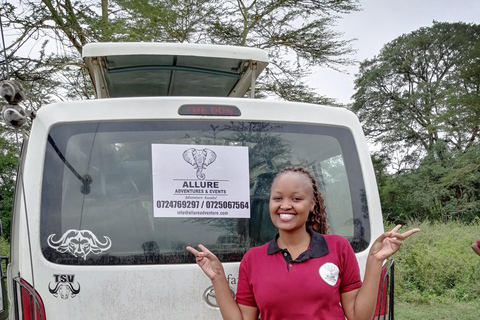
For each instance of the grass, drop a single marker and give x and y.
(452, 310)
(437, 274)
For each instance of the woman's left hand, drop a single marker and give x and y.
(389, 243)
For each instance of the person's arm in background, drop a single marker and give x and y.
(476, 247)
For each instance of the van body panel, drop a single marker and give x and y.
(126, 292)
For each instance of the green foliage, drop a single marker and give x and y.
(438, 264)
(8, 167)
(436, 191)
(4, 247)
(419, 98)
(296, 34)
(422, 89)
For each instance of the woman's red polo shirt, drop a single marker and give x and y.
(308, 287)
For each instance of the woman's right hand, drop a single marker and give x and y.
(208, 262)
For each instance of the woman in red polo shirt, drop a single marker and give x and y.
(304, 273)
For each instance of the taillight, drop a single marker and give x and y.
(385, 296)
(32, 307)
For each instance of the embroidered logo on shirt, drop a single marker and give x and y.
(329, 273)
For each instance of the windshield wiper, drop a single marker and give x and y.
(86, 179)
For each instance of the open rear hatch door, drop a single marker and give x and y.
(132, 69)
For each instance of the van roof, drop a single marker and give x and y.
(130, 69)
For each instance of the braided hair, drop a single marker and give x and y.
(317, 219)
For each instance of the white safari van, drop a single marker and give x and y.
(110, 191)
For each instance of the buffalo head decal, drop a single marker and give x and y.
(79, 243)
(64, 290)
(199, 159)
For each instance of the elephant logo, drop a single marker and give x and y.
(329, 273)
(200, 159)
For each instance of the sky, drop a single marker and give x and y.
(380, 22)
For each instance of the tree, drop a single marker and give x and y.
(419, 100)
(421, 90)
(296, 34)
(465, 93)
(435, 191)
(8, 165)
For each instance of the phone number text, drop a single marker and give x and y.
(185, 204)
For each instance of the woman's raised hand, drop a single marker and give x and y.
(208, 262)
(389, 242)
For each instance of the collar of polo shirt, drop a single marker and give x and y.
(318, 246)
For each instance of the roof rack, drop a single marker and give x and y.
(133, 69)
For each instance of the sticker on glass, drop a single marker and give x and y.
(79, 243)
(204, 181)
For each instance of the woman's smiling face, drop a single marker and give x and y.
(291, 200)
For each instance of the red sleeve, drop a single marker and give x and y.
(350, 276)
(478, 243)
(245, 294)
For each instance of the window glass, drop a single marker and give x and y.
(97, 203)
(159, 75)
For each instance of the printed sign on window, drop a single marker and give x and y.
(200, 181)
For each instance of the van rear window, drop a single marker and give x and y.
(97, 194)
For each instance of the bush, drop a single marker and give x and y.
(4, 248)
(443, 191)
(438, 263)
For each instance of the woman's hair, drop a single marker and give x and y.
(317, 219)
